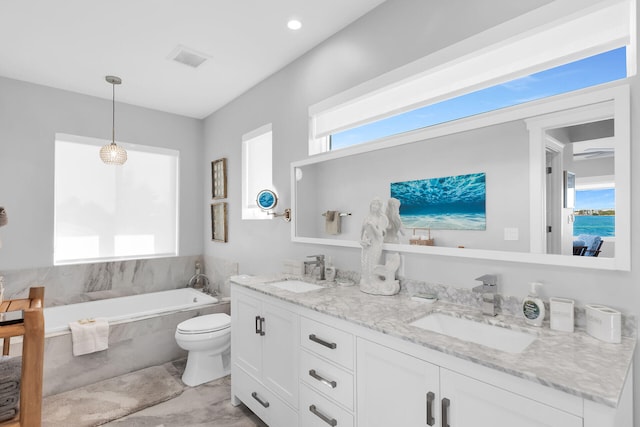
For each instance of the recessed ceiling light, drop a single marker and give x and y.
(294, 24)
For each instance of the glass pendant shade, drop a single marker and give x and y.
(113, 154)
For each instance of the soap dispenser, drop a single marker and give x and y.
(329, 270)
(533, 307)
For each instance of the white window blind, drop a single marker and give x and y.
(105, 212)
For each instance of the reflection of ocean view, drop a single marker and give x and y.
(449, 221)
(603, 226)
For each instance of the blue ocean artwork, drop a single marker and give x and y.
(447, 203)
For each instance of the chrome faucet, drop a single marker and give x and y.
(319, 262)
(489, 291)
(196, 282)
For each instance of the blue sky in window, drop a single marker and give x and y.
(596, 199)
(591, 71)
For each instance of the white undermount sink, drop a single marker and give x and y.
(296, 286)
(496, 337)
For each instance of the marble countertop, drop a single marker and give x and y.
(575, 363)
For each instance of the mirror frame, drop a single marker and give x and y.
(539, 117)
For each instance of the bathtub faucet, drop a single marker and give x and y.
(196, 282)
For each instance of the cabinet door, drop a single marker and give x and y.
(395, 389)
(280, 352)
(477, 404)
(246, 345)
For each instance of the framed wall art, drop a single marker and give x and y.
(445, 203)
(219, 179)
(219, 222)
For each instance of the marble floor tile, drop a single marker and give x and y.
(206, 405)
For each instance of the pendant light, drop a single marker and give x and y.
(113, 154)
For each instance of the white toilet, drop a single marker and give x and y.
(208, 341)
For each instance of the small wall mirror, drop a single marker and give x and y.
(267, 200)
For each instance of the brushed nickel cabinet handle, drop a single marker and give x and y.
(330, 345)
(260, 401)
(331, 421)
(324, 381)
(446, 403)
(262, 331)
(430, 398)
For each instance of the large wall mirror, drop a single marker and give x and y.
(540, 164)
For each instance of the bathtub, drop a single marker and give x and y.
(141, 334)
(124, 309)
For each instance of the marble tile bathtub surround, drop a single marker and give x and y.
(68, 284)
(219, 270)
(133, 345)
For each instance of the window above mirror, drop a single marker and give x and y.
(602, 68)
(516, 62)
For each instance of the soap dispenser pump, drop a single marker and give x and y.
(533, 307)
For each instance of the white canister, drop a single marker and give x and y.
(604, 323)
(561, 314)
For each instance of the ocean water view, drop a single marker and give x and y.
(603, 226)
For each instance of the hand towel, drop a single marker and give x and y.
(10, 374)
(9, 401)
(332, 222)
(8, 414)
(3, 216)
(89, 336)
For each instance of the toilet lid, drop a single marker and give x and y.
(202, 324)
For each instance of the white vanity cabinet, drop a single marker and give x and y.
(470, 402)
(294, 366)
(264, 355)
(397, 389)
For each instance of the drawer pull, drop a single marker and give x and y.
(330, 345)
(323, 417)
(260, 401)
(324, 381)
(260, 325)
(446, 403)
(430, 398)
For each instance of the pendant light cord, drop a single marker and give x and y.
(113, 115)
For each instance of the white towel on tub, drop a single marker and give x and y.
(89, 336)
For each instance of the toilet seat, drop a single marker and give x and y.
(205, 324)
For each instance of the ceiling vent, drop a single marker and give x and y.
(188, 56)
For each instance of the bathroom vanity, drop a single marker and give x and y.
(336, 356)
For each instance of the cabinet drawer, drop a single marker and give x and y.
(261, 401)
(326, 378)
(327, 341)
(318, 411)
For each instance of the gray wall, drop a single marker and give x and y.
(31, 115)
(394, 34)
